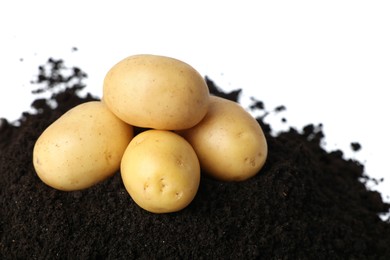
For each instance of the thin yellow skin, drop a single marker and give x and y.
(229, 142)
(156, 92)
(81, 148)
(160, 171)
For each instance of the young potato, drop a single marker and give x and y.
(160, 171)
(158, 92)
(81, 148)
(229, 142)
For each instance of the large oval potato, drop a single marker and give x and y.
(229, 142)
(157, 92)
(160, 171)
(81, 148)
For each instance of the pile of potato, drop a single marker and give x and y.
(184, 130)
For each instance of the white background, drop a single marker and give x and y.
(326, 61)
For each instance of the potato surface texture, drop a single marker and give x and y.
(229, 142)
(156, 92)
(81, 148)
(160, 171)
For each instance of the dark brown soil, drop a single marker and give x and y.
(305, 203)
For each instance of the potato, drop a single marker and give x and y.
(156, 92)
(81, 148)
(160, 171)
(229, 142)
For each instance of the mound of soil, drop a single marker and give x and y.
(305, 202)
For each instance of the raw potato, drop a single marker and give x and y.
(157, 92)
(81, 148)
(160, 171)
(229, 142)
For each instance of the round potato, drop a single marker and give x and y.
(160, 171)
(156, 92)
(81, 148)
(229, 142)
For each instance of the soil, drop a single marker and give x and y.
(306, 203)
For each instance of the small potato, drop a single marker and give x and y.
(81, 148)
(160, 171)
(158, 92)
(229, 142)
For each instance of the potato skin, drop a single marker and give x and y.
(229, 142)
(160, 171)
(81, 148)
(158, 92)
